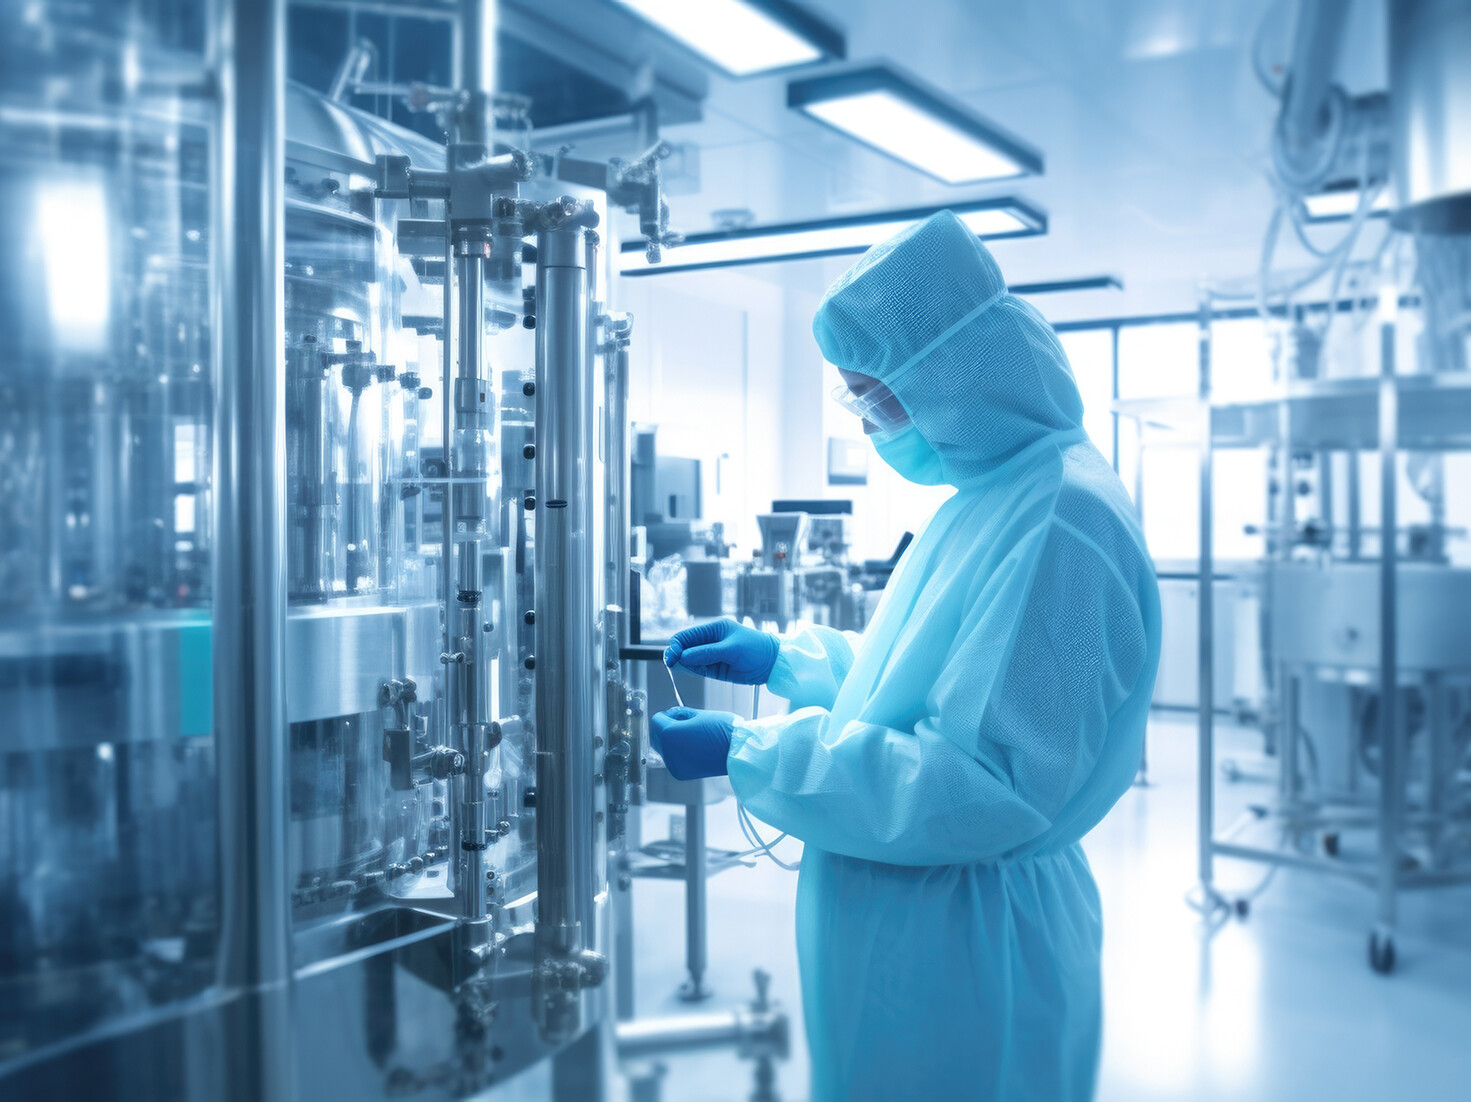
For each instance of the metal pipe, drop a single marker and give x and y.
(446, 506)
(751, 1031)
(1205, 692)
(568, 688)
(469, 468)
(621, 764)
(249, 585)
(1390, 765)
(555, 830)
(623, 926)
(1351, 493)
(617, 577)
(695, 901)
(350, 73)
(477, 66)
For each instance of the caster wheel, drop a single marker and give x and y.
(1330, 843)
(1381, 954)
(1243, 908)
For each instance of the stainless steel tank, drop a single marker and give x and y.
(1328, 615)
(1430, 103)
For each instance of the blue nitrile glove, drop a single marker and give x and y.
(693, 742)
(726, 651)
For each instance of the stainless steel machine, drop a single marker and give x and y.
(802, 570)
(315, 558)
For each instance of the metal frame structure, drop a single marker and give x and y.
(1386, 415)
(346, 924)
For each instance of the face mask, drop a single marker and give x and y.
(910, 455)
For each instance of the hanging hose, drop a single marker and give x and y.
(760, 847)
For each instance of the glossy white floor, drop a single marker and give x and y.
(1279, 1006)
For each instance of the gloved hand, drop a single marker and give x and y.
(726, 651)
(693, 742)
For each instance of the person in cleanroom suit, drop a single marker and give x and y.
(942, 767)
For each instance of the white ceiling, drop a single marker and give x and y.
(1152, 126)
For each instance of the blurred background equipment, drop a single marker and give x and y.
(1360, 643)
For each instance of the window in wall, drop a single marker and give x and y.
(1239, 479)
(1159, 361)
(1170, 488)
(1128, 461)
(1090, 351)
(1241, 359)
(1170, 478)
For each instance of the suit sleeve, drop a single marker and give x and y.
(1014, 724)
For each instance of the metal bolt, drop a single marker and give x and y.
(529, 502)
(528, 388)
(529, 451)
(530, 616)
(530, 662)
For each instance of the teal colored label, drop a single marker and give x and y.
(196, 680)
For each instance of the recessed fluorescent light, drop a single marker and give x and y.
(1055, 286)
(1340, 202)
(989, 218)
(923, 128)
(744, 37)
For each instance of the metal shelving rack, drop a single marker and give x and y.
(1424, 645)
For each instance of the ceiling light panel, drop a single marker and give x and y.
(995, 218)
(744, 37)
(916, 125)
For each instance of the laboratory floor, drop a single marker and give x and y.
(1280, 1005)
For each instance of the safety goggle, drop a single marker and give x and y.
(876, 404)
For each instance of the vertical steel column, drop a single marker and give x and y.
(592, 484)
(249, 635)
(618, 580)
(1206, 621)
(621, 763)
(624, 976)
(1437, 721)
(1355, 523)
(476, 55)
(696, 900)
(567, 678)
(1288, 743)
(622, 731)
(470, 469)
(1390, 773)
